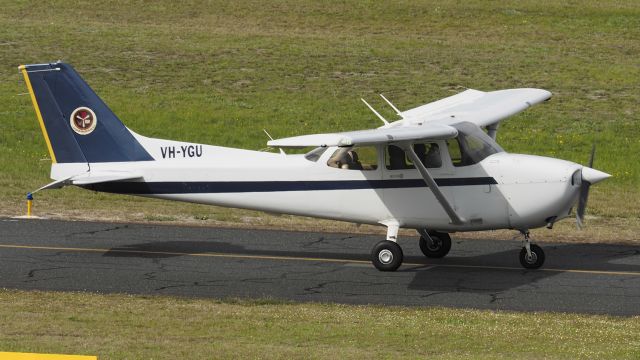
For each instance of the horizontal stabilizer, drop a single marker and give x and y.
(54, 185)
(370, 137)
(95, 177)
(92, 177)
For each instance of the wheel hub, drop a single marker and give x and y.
(385, 256)
(434, 245)
(531, 259)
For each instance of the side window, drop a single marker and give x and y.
(395, 158)
(429, 153)
(358, 158)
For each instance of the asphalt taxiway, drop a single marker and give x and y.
(308, 266)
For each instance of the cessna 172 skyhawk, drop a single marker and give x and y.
(435, 170)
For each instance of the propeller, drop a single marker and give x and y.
(584, 192)
(589, 176)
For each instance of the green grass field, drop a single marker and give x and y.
(220, 72)
(137, 327)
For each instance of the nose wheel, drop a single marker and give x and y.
(531, 255)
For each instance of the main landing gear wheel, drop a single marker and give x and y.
(437, 247)
(386, 256)
(533, 261)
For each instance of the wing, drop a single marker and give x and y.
(432, 121)
(478, 107)
(370, 137)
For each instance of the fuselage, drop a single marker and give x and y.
(501, 191)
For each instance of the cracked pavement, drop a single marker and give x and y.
(302, 266)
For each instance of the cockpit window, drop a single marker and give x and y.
(315, 154)
(428, 153)
(471, 146)
(356, 158)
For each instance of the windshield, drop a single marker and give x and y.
(471, 146)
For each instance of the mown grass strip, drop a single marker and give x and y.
(154, 327)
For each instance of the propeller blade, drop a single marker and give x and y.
(584, 189)
(589, 176)
(593, 155)
(582, 203)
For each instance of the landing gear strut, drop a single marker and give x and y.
(434, 244)
(531, 255)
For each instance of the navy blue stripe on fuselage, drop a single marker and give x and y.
(215, 187)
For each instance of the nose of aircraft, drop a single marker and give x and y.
(593, 176)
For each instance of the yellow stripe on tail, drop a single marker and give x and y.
(23, 69)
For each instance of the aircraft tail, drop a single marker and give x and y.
(77, 125)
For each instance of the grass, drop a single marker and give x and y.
(139, 327)
(220, 72)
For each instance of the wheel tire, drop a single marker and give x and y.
(536, 260)
(440, 247)
(386, 256)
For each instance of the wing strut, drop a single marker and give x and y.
(446, 205)
(492, 130)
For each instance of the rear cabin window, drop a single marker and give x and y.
(356, 158)
(429, 154)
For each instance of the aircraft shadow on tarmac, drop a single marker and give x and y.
(485, 273)
(499, 271)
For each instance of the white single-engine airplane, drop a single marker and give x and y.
(435, 170)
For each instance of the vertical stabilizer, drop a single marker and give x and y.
(77, 125)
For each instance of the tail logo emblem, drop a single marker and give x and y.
(83, 120)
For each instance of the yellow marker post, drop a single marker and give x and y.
(29, 204)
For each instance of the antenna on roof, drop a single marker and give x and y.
(390, 104)
(375, 112)
(271, 138)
